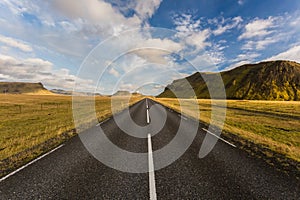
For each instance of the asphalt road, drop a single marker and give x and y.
(71, 172)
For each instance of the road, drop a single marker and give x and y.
(71, 172)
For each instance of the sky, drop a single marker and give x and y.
(109, 45)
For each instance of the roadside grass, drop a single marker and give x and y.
(274, 125)
(31, 125)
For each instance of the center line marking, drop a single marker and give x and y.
(219, 137)
(147, 104)
(148, 117)
(152, 189)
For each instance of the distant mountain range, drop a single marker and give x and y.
(39, 89)
(122, 93)
(272, 80)
(68, 92)
(23, 88)
(126, 93)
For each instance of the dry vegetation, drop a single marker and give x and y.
(271, 124)
(32, 124)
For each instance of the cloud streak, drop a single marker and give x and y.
(258, 28)
(292, 54)
(15, 43)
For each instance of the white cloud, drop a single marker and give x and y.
(241, 2)
(130, 62)
(237, 64)
(242, 59)
(261, 34)
(144, 46)
(203, 54)
(4, 77)
(103, 13)
(258, 28)
(204, 63)
(127, 87)
(97, 15)
(165, 43)
(146, 8)
(222, 29)
(292, 54)
(71, 29)
(186, 24)
(295, 22)
(15, 43)
(259, 44)
(114, 72)
(18, 7)
(198, 39)
(245, 56)
(190, 32)
(153, 55)
(38, 70)
(267, 41)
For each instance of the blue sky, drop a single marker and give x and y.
(144, 45)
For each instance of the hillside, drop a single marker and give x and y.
(122, 93)
(272, 80)
(23, 88)
(126, 93)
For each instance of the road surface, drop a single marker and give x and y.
(71, 172)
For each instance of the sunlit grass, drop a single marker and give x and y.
(27, 121)
(272, 124)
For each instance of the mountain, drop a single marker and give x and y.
(271, 80)
(70, 93)
(122, 93)
(126, 93)
(60, 91)
(23, 88)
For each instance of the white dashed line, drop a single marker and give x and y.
(219, 137)
(152, 189)
(103, 122)
(23, 167)
(148, 117)
(147, 112)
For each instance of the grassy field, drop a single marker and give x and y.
(32, 124)
(271, 124)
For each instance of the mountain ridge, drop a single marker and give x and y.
(268, 80)
(23, 88)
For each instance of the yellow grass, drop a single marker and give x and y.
(41, 92)
(272, 124)
(27, 121)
